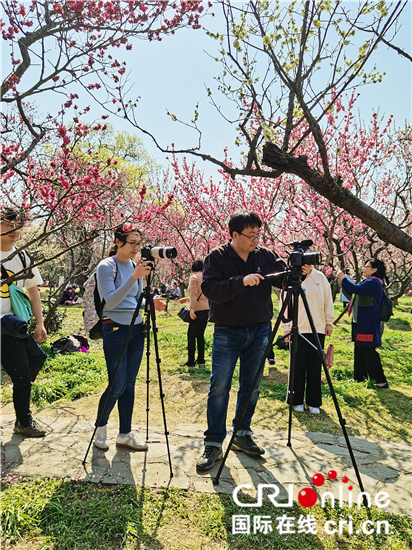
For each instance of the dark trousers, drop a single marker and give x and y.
(308, 369)
(368, 363)
(22, 359)
(196, 334)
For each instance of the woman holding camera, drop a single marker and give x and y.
(199, 313)
(119, 282)
(366, 321)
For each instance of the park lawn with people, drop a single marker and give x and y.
(65, 514)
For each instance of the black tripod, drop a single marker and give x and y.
(294, 290)
(150, 324)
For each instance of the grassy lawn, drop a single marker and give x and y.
(61, 514)
(65, 515)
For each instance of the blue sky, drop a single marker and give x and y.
(177, 70)
(173, 74)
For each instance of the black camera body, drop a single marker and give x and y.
(300, 255)
(150, 252)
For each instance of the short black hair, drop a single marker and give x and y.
(197, 265)
(380, 272)
(243, 218)
(9, 214)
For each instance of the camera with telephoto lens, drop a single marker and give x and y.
(150, 252)
(300, 255)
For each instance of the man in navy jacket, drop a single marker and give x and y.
(241, 308)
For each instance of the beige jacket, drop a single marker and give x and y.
(319, 297)
(195, 291)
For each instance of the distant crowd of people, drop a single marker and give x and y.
(172, 292)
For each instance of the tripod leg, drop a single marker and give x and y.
(292, 358)
(252, 389)
(158, 361)
(342, 421)
(147, 322)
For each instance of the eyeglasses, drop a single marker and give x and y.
(133, 244)
(252, 238)
(8, 223)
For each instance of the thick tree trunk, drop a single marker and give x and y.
(333, 190)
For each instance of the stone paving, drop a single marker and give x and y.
(383, 466)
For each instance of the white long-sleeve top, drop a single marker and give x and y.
(319, 297)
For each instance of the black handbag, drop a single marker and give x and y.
(184, 314)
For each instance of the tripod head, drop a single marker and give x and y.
(292, 276)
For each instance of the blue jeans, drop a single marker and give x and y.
(230, 343)
(123, 388)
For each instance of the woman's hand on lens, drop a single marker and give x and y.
(306, 269)
(142, 269)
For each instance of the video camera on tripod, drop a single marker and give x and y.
(300, 255)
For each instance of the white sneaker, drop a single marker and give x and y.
(100, 438)
(314, 410)
(130, 441)
(298, 408)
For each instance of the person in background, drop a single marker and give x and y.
(199, 312)
(121, 294)
(175, 292)
(308, 367)
(366, 321)
(21, 357)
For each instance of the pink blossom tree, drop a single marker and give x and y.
(68, 47)
(270, 54)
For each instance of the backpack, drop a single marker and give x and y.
(20, 302)
(64, 345)
(386, 307)
(93, 305)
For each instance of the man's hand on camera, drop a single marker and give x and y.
(142, 269)
(253, 279)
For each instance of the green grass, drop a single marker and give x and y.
(67, 515)
(369, 413)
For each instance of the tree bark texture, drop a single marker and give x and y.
(331, 188)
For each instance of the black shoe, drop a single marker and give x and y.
(187, 364)
(246, 444)
(210, 455)
(383, 387)
(32, 430)
(271, 362)
(200, 363)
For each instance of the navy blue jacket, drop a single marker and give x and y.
(367, 330)
(230, 302)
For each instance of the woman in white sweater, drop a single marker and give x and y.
(308, 367)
